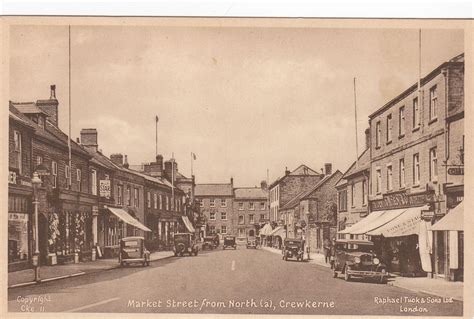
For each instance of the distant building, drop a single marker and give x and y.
(216, 204)
(288, 186)
(250, 210)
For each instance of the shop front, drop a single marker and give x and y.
(20, 234)
(399, 225)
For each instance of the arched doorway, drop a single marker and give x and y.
(43, 231)
(251, 233)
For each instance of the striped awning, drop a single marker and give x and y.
(123, 215)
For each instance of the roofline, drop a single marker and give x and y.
(413, 87)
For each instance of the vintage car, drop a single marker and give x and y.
(252, 242)
(185, 243)
(210, 242)
(229, 241)
(293, 248)
(356, 258)
(132, 250)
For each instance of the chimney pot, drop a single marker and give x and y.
(53, 92)
(125, 162)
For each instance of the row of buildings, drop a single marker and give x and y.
(86, 201)
(410, 176)
(404, 191)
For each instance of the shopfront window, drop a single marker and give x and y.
(18, 220)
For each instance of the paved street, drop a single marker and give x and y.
(229, 281)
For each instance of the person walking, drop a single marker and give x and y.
(327, 250)
(333, 252)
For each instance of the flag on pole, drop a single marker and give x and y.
(156, 118)
(194, 156)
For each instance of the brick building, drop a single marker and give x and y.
(216, 204)
(20, 192)
(250, 209)
(288, 186)
(65, 199)
(415, 139)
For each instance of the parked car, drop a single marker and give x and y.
(209, 242)
(293, 248)
(252, 242)
(356, 258)
(132, 250)
(229, 241)
(185, 243)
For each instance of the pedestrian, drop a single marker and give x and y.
(333, 252)
(327, 250)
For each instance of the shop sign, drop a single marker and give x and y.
(104, 188)
(456, 171)
(17, 217)
(11, 177)
(400, 200)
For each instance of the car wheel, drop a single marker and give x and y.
(347, 277)
(144, 264)
(122, 263)
(334, 274)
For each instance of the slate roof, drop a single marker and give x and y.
(362, 164)
(250, 193)
(213, 190)
(28, 108)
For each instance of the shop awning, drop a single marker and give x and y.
(405, 224)
(279, 231)
(266, 230)
(366, 220)
(373, 221)
(188, 224)
(123, 215)
(453, 220)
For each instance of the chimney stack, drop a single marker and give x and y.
(287, 172)
(263, 185)
(125, 162)
(171, 169)
(328, 169)
(89, 138)
(117, 159)
(367, 138)
(50, 106)
(155, 168)
(232, 182)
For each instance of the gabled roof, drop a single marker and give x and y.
(250, 193)
(158, 180)
(213, 190)
(28, 108)
(362, 164)
(294, 201)
(20, 118)
(301, 170)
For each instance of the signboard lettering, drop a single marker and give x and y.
(399, 200)
(104, 188)
(456, 171)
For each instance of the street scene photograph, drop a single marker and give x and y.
(235, 166)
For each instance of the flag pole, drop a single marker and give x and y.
(192, 159)
(355, 113)
(156, 135)
(69, 129)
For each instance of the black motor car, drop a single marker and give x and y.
(293, 248)
(185, 243)
(132, 250)
(356, 258)
(209, 243)
(229, 241)
(252, 242)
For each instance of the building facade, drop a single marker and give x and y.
(250, 210)
(287, 187)
(216, 204)
(412, 137)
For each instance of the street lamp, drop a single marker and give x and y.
(36, 181)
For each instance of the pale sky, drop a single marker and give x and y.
(244, 100)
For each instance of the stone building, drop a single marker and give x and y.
(416, 138)
(216, 204)
(288, 186)
(250, 209)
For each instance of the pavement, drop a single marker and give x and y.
(57, 272)
(242, 281)
(436, 287)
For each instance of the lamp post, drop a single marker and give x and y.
(36, 181)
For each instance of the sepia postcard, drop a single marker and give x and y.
(236, 166)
